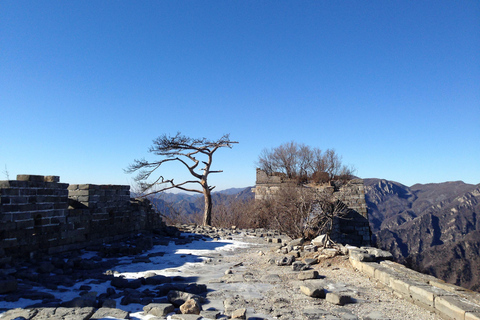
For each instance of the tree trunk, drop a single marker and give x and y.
(207, 214)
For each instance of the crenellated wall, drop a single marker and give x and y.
(351, 229)
(40, 214)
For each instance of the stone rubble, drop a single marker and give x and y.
(275, 278)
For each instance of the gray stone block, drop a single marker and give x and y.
(337, 298)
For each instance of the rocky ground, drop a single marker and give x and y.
(250, 274)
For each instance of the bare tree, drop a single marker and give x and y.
(185, 150)
(303, 163)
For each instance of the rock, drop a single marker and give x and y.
(190, 306)
(310, 262)
(313, 290)
(296, 242)
(156, 279)
(109, 303)
(65, 313)
(158, 309)
(310, 248)
(87, 300)
(329, 252)
(307, 275)
(320, 241)
(210, 314)
(196, 288)
(19, 314)
(111, 313)
(285, 261)
(239, 314)
(359, 256)
(337, 298)
(177, 298)
(298, 266)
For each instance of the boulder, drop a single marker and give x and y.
(190, 306)
(320, 241)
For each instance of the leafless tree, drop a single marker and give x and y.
(304, 163)
(187, 151)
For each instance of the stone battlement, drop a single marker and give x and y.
(352, 229)
(40, 214)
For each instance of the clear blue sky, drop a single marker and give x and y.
(392, 86)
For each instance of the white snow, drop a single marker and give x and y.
(178, 260)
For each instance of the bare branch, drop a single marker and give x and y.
(182, 149)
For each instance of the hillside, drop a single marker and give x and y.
(432, 228)
(186, 204)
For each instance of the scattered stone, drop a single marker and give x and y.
(307, 275)
(196, 288)
(298, 266)
(310, 262)
(285, 261)
(109, 303)
(239, 314)
(310, 248)
(177, 298)
(320, 241)
(210, 314)
(313, 290)
(296, 242)
(190, 306)
(111, 313)
(337, 298)
(158, 309)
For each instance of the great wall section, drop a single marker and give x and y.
(42, 218)
(38, 213)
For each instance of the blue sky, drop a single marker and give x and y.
(392, 86)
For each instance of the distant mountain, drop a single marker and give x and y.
(186, 204)
(433, 228)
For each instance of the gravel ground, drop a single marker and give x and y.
(272, 291)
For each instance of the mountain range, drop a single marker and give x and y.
(433, 228)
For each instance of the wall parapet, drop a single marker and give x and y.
(447, 300)
(40, 214)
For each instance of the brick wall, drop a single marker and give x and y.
(40, 214)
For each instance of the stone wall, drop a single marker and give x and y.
(352, 229)
(40, 214)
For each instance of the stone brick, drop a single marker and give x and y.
(472, 315)
(454, 307)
